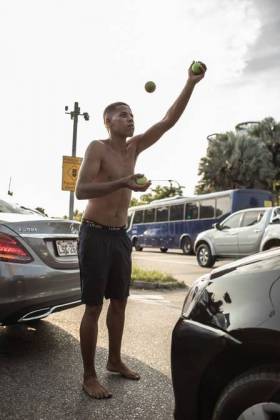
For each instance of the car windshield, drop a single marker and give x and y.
(6, 207)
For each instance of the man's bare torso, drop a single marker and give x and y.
(111, 209)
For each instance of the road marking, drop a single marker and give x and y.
(151, 299)
(164, 260)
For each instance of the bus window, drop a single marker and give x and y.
(223, 205)
(207, 209)
(149, 215)
(177, 212)
(138, 217)
(162, 214)
(191, 211)
(129, 216)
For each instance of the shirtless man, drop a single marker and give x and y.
(106, 179)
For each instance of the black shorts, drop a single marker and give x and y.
(105, 263)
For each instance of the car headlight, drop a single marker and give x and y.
(194, 294)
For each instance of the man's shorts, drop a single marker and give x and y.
(105, 262)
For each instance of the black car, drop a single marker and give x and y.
(226, 345)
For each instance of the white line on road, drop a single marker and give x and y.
(164, 260)
(151, 299)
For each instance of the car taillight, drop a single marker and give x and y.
(12, 251)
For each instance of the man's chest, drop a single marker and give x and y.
(115, 165)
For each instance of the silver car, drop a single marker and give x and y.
(39, 271)
(240, 234)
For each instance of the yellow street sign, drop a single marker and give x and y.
(276, 185)
(267, 203)
(70, 169)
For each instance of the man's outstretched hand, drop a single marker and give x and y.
(195, 78)
(130, 182)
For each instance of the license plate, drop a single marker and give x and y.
(66, 247)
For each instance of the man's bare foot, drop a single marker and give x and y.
(123, 370)
(94, 389)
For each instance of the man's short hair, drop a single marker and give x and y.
(112, 107)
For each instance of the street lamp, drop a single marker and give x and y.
(212, 136)
(74, 116)
(245, 125)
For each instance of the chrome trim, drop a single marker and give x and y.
(30, 316)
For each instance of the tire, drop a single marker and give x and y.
(186, 246)
(136, 246)
(163, 249)
(255, 387)
(204, 256)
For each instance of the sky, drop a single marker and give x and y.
(56, 52)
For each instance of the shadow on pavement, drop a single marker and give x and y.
(41, 373)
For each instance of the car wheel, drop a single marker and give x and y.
(163, 249)
(186, 246)
(137, 246)
(251, 388)
(204, 256)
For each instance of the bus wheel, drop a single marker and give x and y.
(204, 256)
(163, 249)
(136, 246)
(186, 246)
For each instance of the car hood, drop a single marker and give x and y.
(241, 295)
(251, 259)
(202, 234)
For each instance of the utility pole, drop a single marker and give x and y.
(74, 116)
(9, 189)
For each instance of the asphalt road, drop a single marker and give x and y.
(40, 364)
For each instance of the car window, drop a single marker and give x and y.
(232, 222)
(252, 217)
(276, 215)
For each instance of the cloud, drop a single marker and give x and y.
(265, 53)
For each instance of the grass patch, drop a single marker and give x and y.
(151, 276)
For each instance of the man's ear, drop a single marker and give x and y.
(107, 122)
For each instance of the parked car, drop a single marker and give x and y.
(39, 271)
(225, 353)
(243, 233)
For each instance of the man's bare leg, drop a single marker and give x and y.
(115, 324)
(88, 339)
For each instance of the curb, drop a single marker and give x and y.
(156, 285)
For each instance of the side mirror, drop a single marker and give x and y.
(217, 226)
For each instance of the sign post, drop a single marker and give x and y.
(70, 174)
(70, 169)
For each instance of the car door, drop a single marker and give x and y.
(225, 238)
(251, 231)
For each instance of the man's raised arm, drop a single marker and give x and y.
(87, 187)
(147, 139)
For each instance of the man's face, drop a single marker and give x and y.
(120, 121)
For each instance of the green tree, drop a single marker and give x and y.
(245, 159)
(268, 132)
(77, 215)
(158, 192)
(41, 210)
